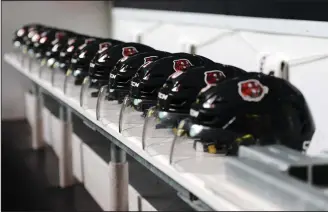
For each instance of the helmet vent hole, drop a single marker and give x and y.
(271, 73)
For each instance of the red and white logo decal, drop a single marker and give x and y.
(104, 46)
(148, 60)
(60, 35)
(128, 51)
(252, 90)
(181, 64)
(212, 78)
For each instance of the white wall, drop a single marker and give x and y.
(89, 17)
(239, 41)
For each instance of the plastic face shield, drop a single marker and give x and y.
(132, 115)
(89, 94)
(18, 52)
(34, 65)
(186, 145)
(159, 127)
(46, 69)
(70, 88)
(107, 111)
(58, 76)
(25, 58)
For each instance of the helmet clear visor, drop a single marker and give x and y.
(159, 127)
(88, 95)
(186, 147)
(58, 76)
(131, 118)
(107, 112)
(70, 88)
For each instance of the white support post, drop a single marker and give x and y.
(118, 180)
(275, 64)
(66, 177)
(37, 129)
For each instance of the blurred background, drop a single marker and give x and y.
(29, 179)
(89, 17)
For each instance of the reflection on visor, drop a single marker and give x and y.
(50, 62)
(195, 129)
(76, 73)
(136, 102)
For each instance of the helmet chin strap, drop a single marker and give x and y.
(224, 141)
(230, 144)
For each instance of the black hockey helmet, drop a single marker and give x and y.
(57, 45)
(250, 109)
(146, 84)
(83, 55)
(20, 34)
(33, 36)
(66, 53)
(149, 79)
(46, 41)
(125, 69)
(181, 88)
(104, 61)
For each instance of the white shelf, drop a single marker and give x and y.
(203, 176)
